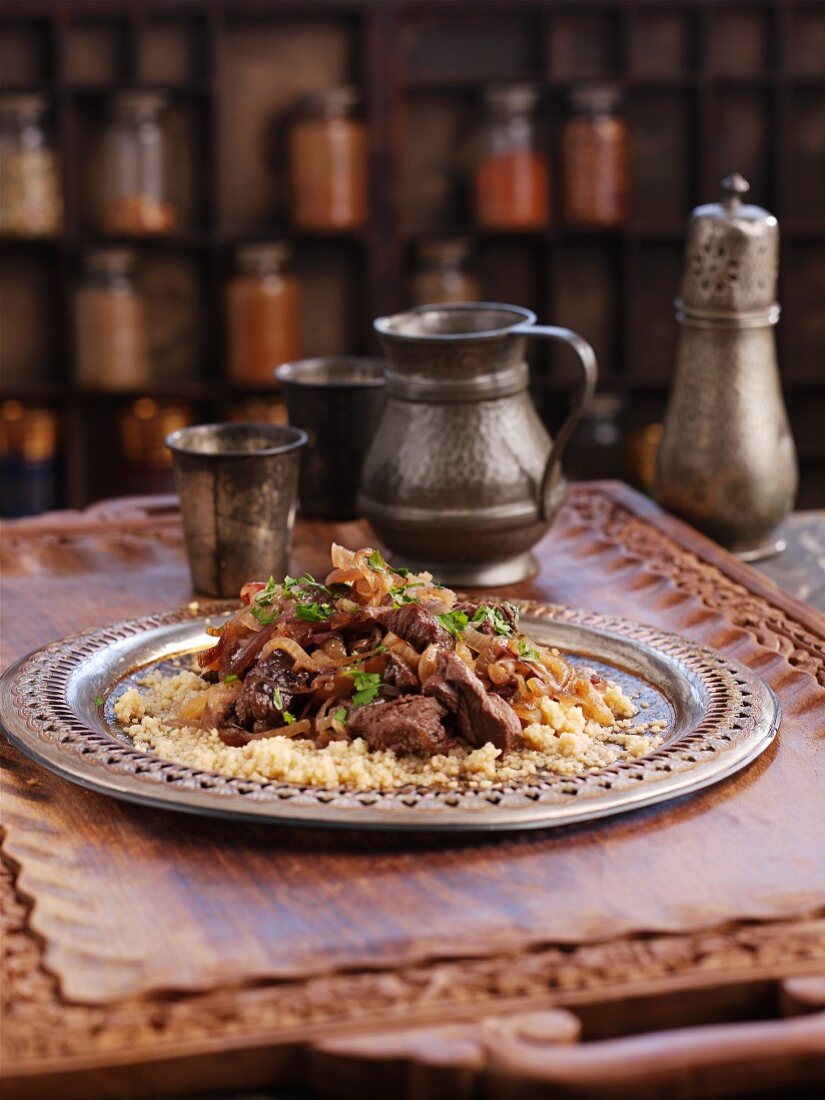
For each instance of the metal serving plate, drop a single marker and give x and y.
(720, 717)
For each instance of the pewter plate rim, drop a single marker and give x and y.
(725, 716)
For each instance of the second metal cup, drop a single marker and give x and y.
(338, 402)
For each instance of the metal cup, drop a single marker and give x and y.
(338, 401)
(237, 486)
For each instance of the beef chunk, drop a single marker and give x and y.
(411, 724)
(480, 717)
(399, 674)
(415, 625)
(256, 706)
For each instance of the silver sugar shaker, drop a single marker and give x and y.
(727, 461)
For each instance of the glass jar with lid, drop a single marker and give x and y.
(595, 156)
(110, 323)
(264, 313)
(512, 175)
(328, 162)
(444, 273)
(31, 203)
(135, 199)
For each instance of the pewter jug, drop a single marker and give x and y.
(462, 479)
(727, 462)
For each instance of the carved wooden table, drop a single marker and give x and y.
(675, 951)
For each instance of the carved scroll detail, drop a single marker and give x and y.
(39, 1024)
(661, 555)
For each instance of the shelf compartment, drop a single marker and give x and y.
(585, 296)
(663, 43)
(30, 350)
(585, 44)
(492, 47)
(663, 129)
(268, 64)
(99, 51)
(652, 332)
(26, 59)
(739, 40)
(742, 127)
(173, 51)
(186, 134)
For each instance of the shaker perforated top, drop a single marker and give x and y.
(731, 255)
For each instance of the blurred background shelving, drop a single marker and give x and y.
(709, 86)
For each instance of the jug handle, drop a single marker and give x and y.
(587, 384)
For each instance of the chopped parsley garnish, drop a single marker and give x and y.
(99, 701)
(230, 679)
(308, 581)
(494, 615)
(527, 651)
(267, 594)
(376, 562)
(295, 587)
(400, 571)
(265, 618)
(289, 718)
(340, 715)
(454, 622)
(367, 685)
(313, 612)
(278, 699)
(400, 594)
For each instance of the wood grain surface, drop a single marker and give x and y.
(131, 907)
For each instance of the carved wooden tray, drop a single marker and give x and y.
(719, 715)
(678, 949)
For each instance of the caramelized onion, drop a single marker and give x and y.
(295, 729)
(428, 662)
(298, 654)
(500, 673)
(402, 648)
(209, 708)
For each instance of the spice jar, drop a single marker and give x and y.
(512, 177)
(144, 427)
(328, 162)
(264, 313)
(29, 467)
(30, 200)
(110, 323)
(595, 156)
(443, 273)
(135, 202)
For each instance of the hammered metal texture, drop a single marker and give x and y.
(461, 471)
(48, 717)
(431, 455)
(727, 461)
(730, 263)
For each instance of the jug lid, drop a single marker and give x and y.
(731, 255)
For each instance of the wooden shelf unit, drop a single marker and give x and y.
(710, 86)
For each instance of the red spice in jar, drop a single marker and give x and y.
(512, 190)
(512, 177)
(264, 314)
(595, 152)
(328, 163)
